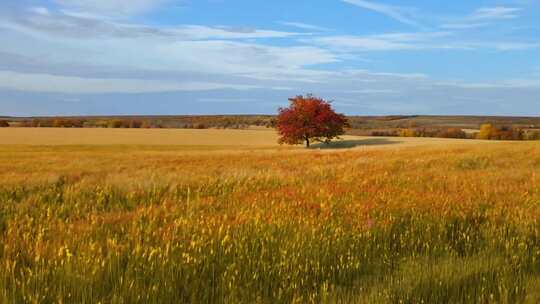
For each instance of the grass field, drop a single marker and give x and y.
(208, 216)
(215, 138)
(161, 137)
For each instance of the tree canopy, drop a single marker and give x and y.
(309, 119)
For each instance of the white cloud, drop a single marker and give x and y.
(304, 26)
(372, 91)
(223, 32)
(398, 13)
(442, 40)
(39, 10)
(355, 43)
(483, 17)
(514, 46)
(247, 59)
(40, 20)
(462, 26)
(499, 12)
(417, 76)
(79, 54)
(82, 41)
(184, 50)
(503, 84)
(64, 84)
(387, 42)
(111, 7)
(229, 100)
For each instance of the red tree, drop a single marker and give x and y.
(309, 119)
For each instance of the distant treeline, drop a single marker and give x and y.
(502, 128)
(487, 131)
(176, 122)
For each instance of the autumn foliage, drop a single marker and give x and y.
(490, 131)
(309, 119)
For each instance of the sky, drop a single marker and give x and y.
(369, 57)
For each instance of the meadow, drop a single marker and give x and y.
(223, 216)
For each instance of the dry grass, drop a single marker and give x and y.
(421, 220)
(99, 136)
(216, 138)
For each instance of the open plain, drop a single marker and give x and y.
(223, 216)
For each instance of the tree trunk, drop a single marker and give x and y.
(307, 142)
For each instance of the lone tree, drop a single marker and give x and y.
(309, 119)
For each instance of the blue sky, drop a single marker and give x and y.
(82, 57)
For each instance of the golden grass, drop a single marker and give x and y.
(193, 139)
(99, 136)
(388, 221)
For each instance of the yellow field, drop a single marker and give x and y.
(189, 137)
(221, 216)
(99, 136)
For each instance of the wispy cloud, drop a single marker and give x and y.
(111, 7)
(39, 10)
(226, 32)
(372, 91)
(357, 43)
(484, 17)
(69, 84)
(463, 25)
(41, 20)
(80, 43)
(228, 100)
(72, 51)
(503, 84)
(304, 26)
(401, 14)
(510, 46)
(441, 40)
(387, 42)
(499, 12)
